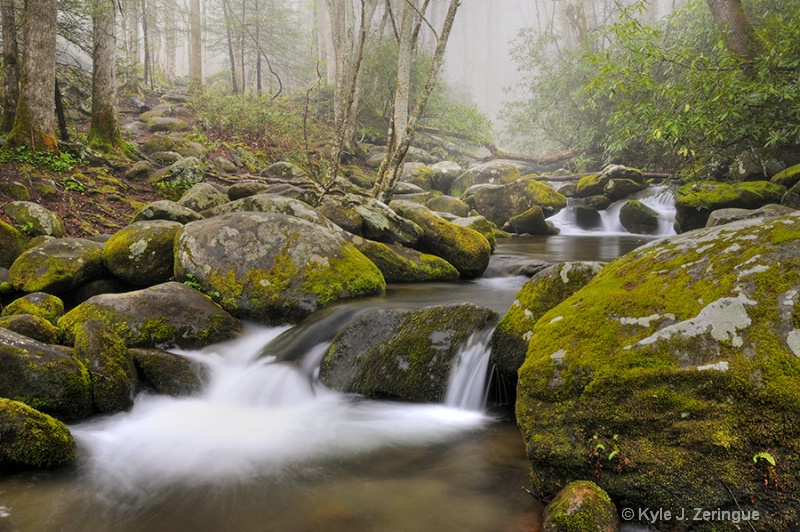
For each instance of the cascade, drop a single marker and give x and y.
(466, 387)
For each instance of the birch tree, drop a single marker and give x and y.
(195, 45)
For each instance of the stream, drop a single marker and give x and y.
(266, 447)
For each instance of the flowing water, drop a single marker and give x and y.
(266, 447)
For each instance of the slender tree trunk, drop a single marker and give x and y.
(10, 64)
(34, 124)
(146, 42)
(257, 12)
(132, 22)
(740, 37)
(104, 131)
(195, 45)
(242, 81)
(170, 40)
(226, 13)
(389, 173)
(358, 87)
(60, 115)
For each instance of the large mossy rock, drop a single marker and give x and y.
(792, 197)
(34, 327)
(12, 244)
(166, 210)
(58, 265)
(448, 204)
(274, 204)
(30, 439)
(500, 204)
(40, 304)
(142, 254)
(481, 225)
(582, 506)
(404, 265)
(271, 267)
(35, 219)
(169, 314)
(418, 174)
(726, 216)
(111, 372)
(401, 354)
(45, 377)
(467, 250)
(546, 289)
(444, 173)
(166, 373)
(382, 224)
(694, 202)
(637, 217)
(532, 222)
(595, 184)
(684, 357)
(491, 173)
(201, 197)
(788, 177)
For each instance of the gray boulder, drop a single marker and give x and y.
(271, 267)
(142, 254)
(492, 173)
(448, 204)
(726, 216)
(401, 354)
(57, 266)
(274, 204)
(444, 173)
(500, 204)
(169, 314)
(202, 197)
(166, 373)
(382, 224)
(166, 210)
(34, 219)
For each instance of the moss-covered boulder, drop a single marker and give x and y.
(500, 204)
(111, 371)
(617, 189)
(448, 204)
(382, 224)
(202, 197)
(637, 217)
(166, 373)
(271, 267)
(467, 250)
(792, 197)
(166, 123)
(401, 354)
(167, 210)
(491, 173)
(443, 175)
(182, 174)
(58, 265)
(30, 439)
(12, 244)
(342, 214)
(682, 359)
(34, 327)
(274, 204)
(546, 288)
(481, 225)
(139, 171)
(418, 174)
(582, 506)
(161, 142)
(15, 190)
(34, 219)
(788, 177)
(694, 202)
(532, 222)
(45, 377)
(246, 188)
(404, 265)
(595, 184)
(587, 218)
(142, 254)
(39, 304)
(285, 171)
(169, 314)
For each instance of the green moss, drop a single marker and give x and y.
(591, 185)
(111, 372)
(39, 304)
(788, 177)
(400, 265)
(30, 439)
(582, 506)
(681, 429)
(12, 244)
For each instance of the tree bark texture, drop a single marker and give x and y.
(10, 64)
(195, 45)
(104, 131)
(740, 37)
(170, 40)
(34, 123)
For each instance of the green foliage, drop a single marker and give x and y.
(173, 189)
(274, 127)
(764, 456)
(667, 93)
(73, 185)
(58, 163)
(192, 282)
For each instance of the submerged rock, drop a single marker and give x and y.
(167, 373)
(683, 356)
(31, 439)
(401, 354)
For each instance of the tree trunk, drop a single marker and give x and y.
(195, 46)
(34, 124)
(146, 41)
(740, 37)
(104, 133)
(389, 173)
(170, 40)
(131, 14)
(10, 64)
(226, 13)
(258, 47)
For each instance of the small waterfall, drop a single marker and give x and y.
(466, 388)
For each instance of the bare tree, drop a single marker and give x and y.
(10, 64)
(740, 37)
(34, 124)
(400, 139)
(195, 45)
(104, 132)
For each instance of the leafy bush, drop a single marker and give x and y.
(58, 163)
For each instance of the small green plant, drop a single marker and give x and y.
(59, 163)
(609, 451)
(767, 466)
(192, 282)
(174, 189)
(73, 185)
(27, 228)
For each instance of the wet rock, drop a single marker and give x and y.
(142, 254)
(401, 354)
(30, 439)
(167, 373)
(404, 265)
(587, 217)
(481, 225)
(58, 265)
(595, 184)
(111, 372)
(583, 506)
(637, 217)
